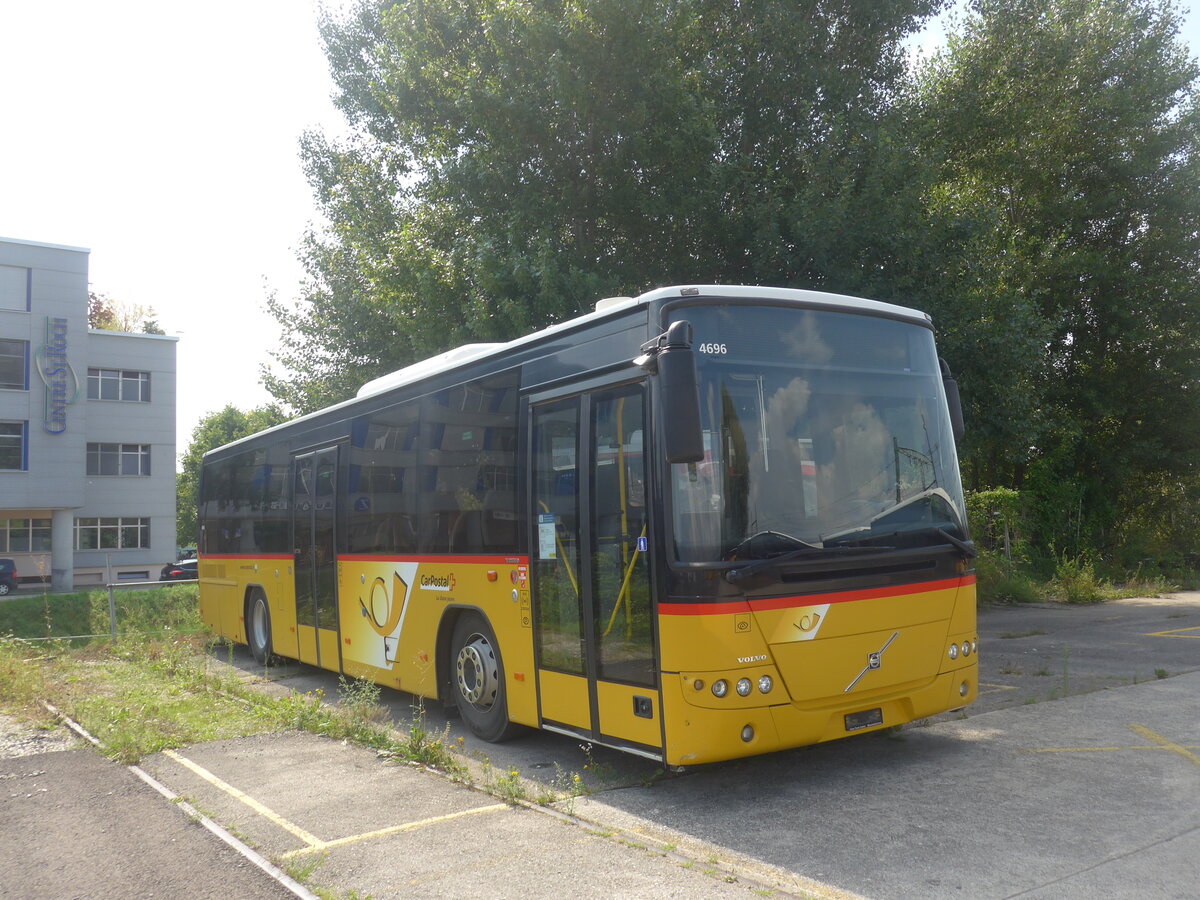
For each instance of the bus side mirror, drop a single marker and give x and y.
(672, 355)
(953, 401)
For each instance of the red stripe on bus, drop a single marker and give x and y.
(286, 556)
(741, 606)
(444, 560)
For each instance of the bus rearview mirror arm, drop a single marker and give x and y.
(953, 401)
(671, 357)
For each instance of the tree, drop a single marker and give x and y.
(1070, 130)
(214, 430)
(106, 314)
(512, 163)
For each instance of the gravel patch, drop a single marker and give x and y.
(19, 738)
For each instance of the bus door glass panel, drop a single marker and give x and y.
(556, 573)
(324, 548)
(304, 494)
(314, 518)
(620, 583)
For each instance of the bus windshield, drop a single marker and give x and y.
(822, 429)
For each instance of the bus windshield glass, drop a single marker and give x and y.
(824, 430)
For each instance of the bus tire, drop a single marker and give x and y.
(477, 679)
(258, 628)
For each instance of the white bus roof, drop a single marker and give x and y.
(468, 352)
(451, 359)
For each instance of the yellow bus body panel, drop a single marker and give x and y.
(882, 653)
(565, 699)
(392, 609)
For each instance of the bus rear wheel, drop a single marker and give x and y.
(478, 679)
(258, 629)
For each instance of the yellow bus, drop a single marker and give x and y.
(695, 525)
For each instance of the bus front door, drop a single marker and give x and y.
(593, 616)
(314, 507)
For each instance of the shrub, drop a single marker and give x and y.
(1001, 580)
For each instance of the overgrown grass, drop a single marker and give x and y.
(1076, 579)
(168, 609)
(158, 686)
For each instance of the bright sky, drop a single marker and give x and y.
(164, 137)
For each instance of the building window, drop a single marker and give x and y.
(14, 365)
(13, 455)
(112, 533)
(118, 384)
(118, 459)
(24, 535)
(14, 288)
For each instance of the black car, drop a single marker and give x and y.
(8, 576)
(184, 570)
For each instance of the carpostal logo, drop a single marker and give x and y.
(437, 582)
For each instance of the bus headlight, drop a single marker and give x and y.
(765, 684)
(954, 651)
(720, 687)
(743, 687)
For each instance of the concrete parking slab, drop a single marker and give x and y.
(1094, 795)
(344, 819)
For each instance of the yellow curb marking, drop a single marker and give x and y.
(1178, 632)
(1157, 740)
(395, 829)
(993, 688)
(259, 808)
(315, 844)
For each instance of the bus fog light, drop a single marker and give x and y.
(966, 648)
(954, 651)
(720, 687)
(765, 684)
(748, 733)
(698, 684)
(964, 689)
(743, 687)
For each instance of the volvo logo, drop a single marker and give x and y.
(874, 661)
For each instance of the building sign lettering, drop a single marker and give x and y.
(57, 374)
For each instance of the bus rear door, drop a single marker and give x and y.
(314, 516)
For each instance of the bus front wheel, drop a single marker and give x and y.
(258, 629)
(478, 679)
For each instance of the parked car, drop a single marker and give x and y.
(8, 576)
(183, 570)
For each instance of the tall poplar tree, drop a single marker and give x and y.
(512, 162)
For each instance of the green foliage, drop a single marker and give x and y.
(1003, 580)
(512, 163)
(1075, 580)
(107, 314)
(1035, 186)
(997, 521)
(214, 430)
(1067, 131)
(170, 609)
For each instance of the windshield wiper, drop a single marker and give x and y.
(812, 552)
(767, 534)
(966, 548)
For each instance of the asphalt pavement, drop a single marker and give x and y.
(1076, 775)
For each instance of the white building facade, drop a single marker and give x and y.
(87, 430)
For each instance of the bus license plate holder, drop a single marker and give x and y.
(867, 718)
